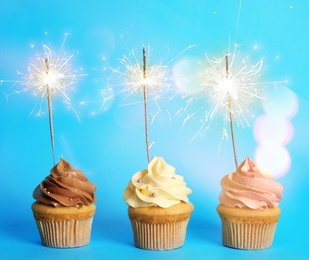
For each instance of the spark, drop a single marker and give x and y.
(139, 76)
(128, 78)
(169, 116)
(158, 80)
(241, 89)
(158, 111)
(60, 77)
(49, 74)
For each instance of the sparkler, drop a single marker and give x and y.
(49, 74)
(157, 83)
(130, 71)
(229, 89)
(158, 79)
(156, 86)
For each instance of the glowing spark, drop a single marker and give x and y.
(142, 76)
(241, 88)
(128, 79)
(169, 116)
(60, 78)
(159, 110)
(49, 74)
(157, 76)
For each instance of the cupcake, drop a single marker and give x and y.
(249, 207)
(159, 209)
(64, 208)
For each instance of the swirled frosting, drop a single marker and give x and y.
(65, 186)
(249, 188)
(156, 186)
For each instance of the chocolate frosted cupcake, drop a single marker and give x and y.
(159, 209)
(249, 207)
(64, 208)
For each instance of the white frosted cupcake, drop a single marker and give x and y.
(159, 208)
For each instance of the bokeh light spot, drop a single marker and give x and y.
(268, 128)
(280, 102)
(273, 158)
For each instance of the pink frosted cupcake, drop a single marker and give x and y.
(249, 207)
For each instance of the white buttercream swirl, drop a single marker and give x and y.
(157, 186)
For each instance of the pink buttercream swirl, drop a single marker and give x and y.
(249, 188)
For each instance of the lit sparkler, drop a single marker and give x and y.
(229, 88)
(156, 83)
(60, 77)
(132, 72)
(154, 87)
(128, 78)
(49, 74)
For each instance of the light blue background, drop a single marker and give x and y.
(109, 147)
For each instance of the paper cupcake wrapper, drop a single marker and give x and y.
(159, 236)
(66, 233)
(247, 236)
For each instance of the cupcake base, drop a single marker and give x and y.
(64, 227)
(248, 228)
(247, 236)
(156, 228)
(66, 233)
(159, 236)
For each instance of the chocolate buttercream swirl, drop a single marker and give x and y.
(65, 186)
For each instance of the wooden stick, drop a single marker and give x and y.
(145, 102)
(50, 109)
(230, 111)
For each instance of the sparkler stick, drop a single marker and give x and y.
(132, 80)
(49, 74)
(145, 102)
(50, 112)
(230, 110)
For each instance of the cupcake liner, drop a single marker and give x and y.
(247, 236)
(159, 236)
(66, 233)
